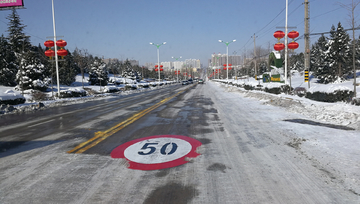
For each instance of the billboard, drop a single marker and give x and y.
(11, 3)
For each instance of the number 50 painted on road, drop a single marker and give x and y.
(157, 152)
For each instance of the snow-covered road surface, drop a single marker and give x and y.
(251, 152)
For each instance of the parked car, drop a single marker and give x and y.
(201, 81)
(184, 83)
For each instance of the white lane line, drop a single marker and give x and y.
(41, 123)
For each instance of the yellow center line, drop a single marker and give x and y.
(102, 135)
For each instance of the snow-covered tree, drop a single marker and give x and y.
(98, 74)
(17, 39)
(8, 66)
(32, 73)
(296, 62)
(339, 53)
(130, 73)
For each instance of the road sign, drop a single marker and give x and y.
(157, 152)
(306, 76)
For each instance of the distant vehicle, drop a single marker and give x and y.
(201, 81)
(190, 81)
(184, 83)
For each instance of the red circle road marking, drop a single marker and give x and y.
(157, 152)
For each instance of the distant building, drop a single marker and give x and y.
(166, 65)
(111, 60)
(220, 60)
(195, 63)
(177, 65)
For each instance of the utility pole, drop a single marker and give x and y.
(307, 39)
(353, 6)
(255, 56)
(286, 41)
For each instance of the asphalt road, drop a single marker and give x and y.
(63, 154)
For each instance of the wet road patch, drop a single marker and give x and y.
(217, 167)
(310, 122)
(173, 193)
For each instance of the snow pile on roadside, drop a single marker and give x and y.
(339, 113)
(9, 94)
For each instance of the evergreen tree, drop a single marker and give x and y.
(18, 41)
(8, 67)
(68, 70)
(98, 74)
(296, 62)
(129, 72)
(32, 73)
(262, 67)
(339, 53)
(319, 61)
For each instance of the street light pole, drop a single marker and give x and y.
(158, 55)
(56, 55)
(177, 74)
(227, 58)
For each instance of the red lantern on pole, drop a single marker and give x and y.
(293, 34)
(49, 43)
(279, 46)
(293, 45)
(50, 53)
(156, 66)
(61, 43)
(62, 52)
(279, 34)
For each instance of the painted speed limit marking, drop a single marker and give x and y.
(157, 152)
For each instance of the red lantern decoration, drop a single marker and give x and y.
(49, 43)
(293, 34)
(293, 45)
(62, 52)
(61, 43)
(279, 34)
(50, 53)
(279, 46)
(161, 66)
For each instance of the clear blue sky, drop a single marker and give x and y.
(123, 29)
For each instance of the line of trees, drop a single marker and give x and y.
(25, 66)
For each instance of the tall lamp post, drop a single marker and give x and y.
(177, 74)
(227, 58)
(56, 55)
(158, 45)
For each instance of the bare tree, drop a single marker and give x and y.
(81, 61)
(351, 8)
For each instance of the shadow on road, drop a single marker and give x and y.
(309, 122)
(11, 148)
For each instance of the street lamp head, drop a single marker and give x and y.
(151, 43)
(164, 43)
(234, 40)
(220, 40)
